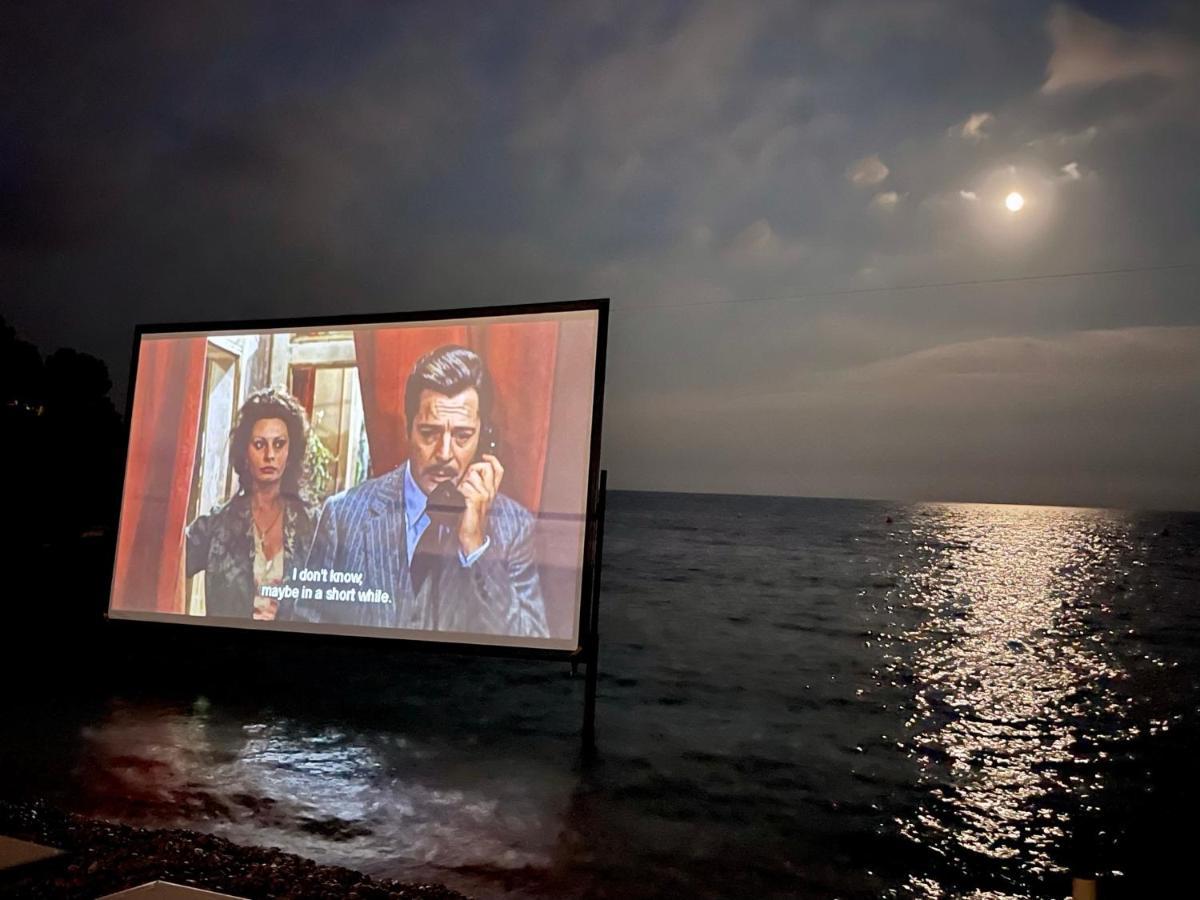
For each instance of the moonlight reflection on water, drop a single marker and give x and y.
(1011, 675)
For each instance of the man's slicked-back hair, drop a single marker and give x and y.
(449, 370)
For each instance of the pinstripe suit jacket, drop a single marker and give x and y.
(363, 530)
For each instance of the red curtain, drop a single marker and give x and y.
(162, 448)
(520, 357)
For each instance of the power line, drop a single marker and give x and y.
(971, 282)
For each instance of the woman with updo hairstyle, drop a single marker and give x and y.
(267, 527)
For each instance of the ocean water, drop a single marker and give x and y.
(798, 698)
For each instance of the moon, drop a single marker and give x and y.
(1014, 202)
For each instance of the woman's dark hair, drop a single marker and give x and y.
(448, 370)
(271, 403)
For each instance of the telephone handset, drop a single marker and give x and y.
(445, 499)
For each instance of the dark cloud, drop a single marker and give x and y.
(1089, 52)
(166, 162)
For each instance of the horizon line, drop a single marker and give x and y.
(910, 501)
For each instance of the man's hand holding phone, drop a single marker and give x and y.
(479, 486)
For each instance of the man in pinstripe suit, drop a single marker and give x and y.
(465, 565)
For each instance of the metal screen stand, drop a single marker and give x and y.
(591, 649)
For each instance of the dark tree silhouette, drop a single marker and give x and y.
(61, 449)
(20, 373)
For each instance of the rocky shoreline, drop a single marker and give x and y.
(102, 858)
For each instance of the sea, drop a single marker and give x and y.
(797, 698)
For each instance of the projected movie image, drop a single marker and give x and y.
(418, 480)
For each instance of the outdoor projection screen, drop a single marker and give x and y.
(418, 478)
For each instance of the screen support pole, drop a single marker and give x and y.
(592, 650)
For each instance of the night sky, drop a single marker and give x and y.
(798, 211)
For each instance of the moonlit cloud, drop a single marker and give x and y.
(975, 127)
(1079, 357)
(885, 200)
(1069, 141)
(867, 172)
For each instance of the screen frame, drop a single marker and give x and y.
(277, 631)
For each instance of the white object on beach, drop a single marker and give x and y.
(164, 890)
(15, 853)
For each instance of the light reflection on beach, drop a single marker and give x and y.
(371, 802)
(1009, 675)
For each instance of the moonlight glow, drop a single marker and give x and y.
(1014, 202)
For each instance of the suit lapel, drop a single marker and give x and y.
(386, 556)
